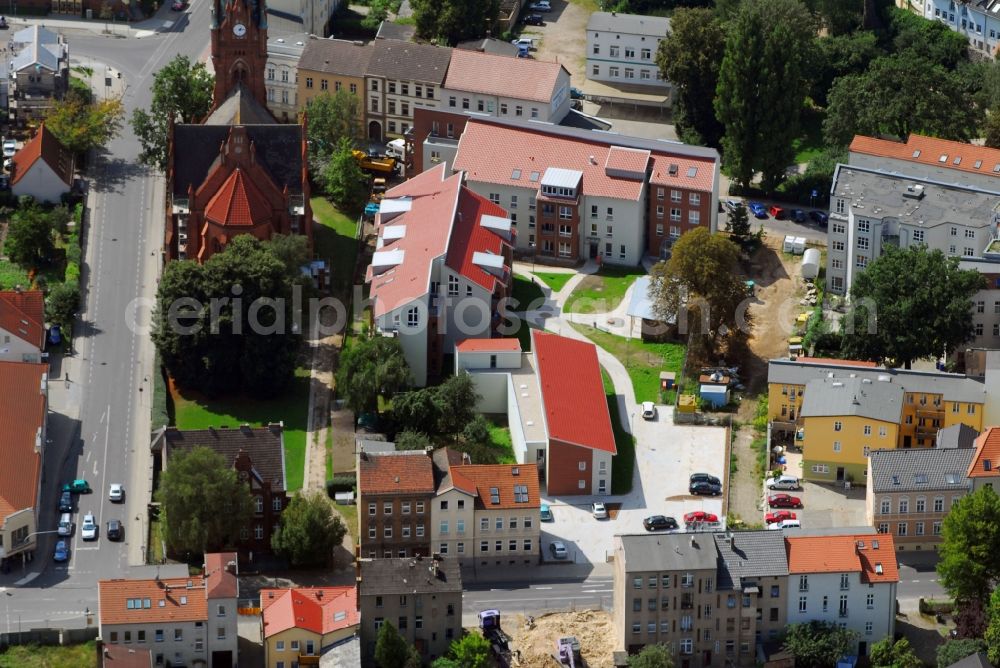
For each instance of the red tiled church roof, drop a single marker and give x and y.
(238, 203)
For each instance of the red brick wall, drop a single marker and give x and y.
(423, 125)
(564, 469)
(655, 238)
(552, 219)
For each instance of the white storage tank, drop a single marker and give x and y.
(810, 263)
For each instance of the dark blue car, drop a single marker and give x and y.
(757, 209)
(55, 336)
(819, 217)
(62, 552)
(798, 215)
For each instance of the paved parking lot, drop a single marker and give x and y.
(825, 504)
(666, 456)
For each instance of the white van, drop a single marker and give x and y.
(396, 149)
(783, 482)
(65, 525)
(784, 524)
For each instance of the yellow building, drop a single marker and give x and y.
(300, 625)
(331, 65)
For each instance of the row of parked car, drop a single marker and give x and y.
(88, 529)
(763, 212)
(782, 519)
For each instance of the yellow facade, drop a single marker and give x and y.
(288, 646)
(832, 443)
(784, 401)
(313, 83)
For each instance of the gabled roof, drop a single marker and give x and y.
(516, 485)
(220, 575)
(46, 147)
(958, 435)
(943, 153)
(406, 472)
(470, 237)
(238, 203)
(408, 61)
(668, 552)
(42, 48)
(986, 460)
(336, 56)
(491, 74)
(398, 31)
(872, 556)
(321, 610)
(442, 460)
(576, 408)
(239, 108)
(861, 397)
(22, 313)
(122, 656)
(920, 469)
(21, 422)
(750, 554)
(152, 600)
(497, 47)
(263, 445)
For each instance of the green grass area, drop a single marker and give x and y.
(335, 241)
(810, 144)
(527, 293)
(603, 291)
(500, 433)
(11, 275)
(49, 656)
(643, 361)
(623, 464)
(154, 550)
(554, 279)
(589, 5)
(194, 411)
(329, 453)
(349, 512)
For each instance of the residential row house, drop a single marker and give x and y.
(302, 625)
(257, 454)
(622, 48)
(840, 410)
(395, 490)
(38, 73)
(284, 57)
(421, 597)
(555, 404)
(22, 326)
(721, 599)
(330, 66)
(23, 448)
(181, 621)
(441, 270)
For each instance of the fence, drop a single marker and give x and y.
(48, 636)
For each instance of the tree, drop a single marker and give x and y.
(818, 644)
(344, 180)
(840, 55)
(412, 440)
(969, 556)
(292, 250)
(441, 411)
(954, 651)
(701, 278)
(470, 651)
(80, 124)
(204, 503)
(991, 128)
(738, 222)
(29, 240)
(690, 57)
(391, 649)
(913, 36)
(839, 16)
(762, 88)
(61, 305)
(992, 635)
(453, 21)
(182, 90)
(888, 654)
(378, 11)
(238, 331)
(919, 301)
(371, 368)
(309, 530)
(331, 118)
(652, 656)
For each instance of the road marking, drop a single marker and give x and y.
(597, 591)
(541, 587)
(101, 421)
(510, 601)
(104, 473)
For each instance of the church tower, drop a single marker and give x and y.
(239, 48)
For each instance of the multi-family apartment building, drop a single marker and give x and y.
(846, 579)
(395, 491)
(38, 72)
(281, 74)
(181, 621)
(857, 408)
(22, 325)
(982, 471)
(402, 76)
(300, 16)
(621, 49)
(301, 625)
(910, 492)
(555, 405)
(23, 447)
(977, 20)
(421, 597)
(331, 65)
(575, 194)
(441, 268)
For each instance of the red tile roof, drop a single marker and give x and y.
(930, 151)
(238, 203)
(403, 473)
(484, 477)
(986, 461)
(576, 408)
(491, 74)
(490, 153)
(165, 598)
(488, 345)
(20, 421)
(221, 583)
(44, 145)
(469, 236)
(22, 313)
(627, 159)
(321, 610)
(119, 656)
(837, 362)
(844, 554)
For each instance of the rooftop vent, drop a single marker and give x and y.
(914, 192)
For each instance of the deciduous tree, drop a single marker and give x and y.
(969, 561)
(391, 649)
(909, 304)
(455, 20)
(841, 55)
(412, 440)
(954, 651)
(81, 125)
(738, 222)
(309, 530)
(470, 651)
(888, 654)
(61, 305)
(344, 180)
(371, 368)
(29, 240)
(652, 656)
(204, 502)
(839, 16)
(818, 644)
(992, 635)
(331, 117)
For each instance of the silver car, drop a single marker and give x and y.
(558, 550)
(88, 531)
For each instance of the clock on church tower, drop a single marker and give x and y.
(239, 48)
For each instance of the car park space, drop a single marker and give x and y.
(823, 505)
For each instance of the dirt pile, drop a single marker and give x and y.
(592, 628)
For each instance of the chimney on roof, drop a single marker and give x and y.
(319, 593)
(245, 428)
(694, 543)
(593, 160)
(18, 288)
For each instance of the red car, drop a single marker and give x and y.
(700, 516)
(779, 516)
(777, 213)
(784, 501)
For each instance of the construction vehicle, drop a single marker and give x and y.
(375, 163)
(489, 624)
(568, 649)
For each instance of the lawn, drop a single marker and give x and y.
(49, 656)
(11, 275)
(603, 291)
(527, 293)
(194, 411)
(349, 511)
(554, 279)
(643, 361)
(154, 550)
(810, 144)
(623, 464)
(335, 241)
(500, 433)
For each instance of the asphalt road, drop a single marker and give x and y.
(536, 598)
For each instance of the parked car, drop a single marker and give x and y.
(758, 210)
(697, 516)
(178, 6)
(65, 525)
(55, 335)
(575, 93)
(116, 494)
(3, 23)
(545, 513)
(600, 512)
(777, 212)
(558, 549)
(784, 501)
(798, 215)
(540, 6)
(648, 410)
(9, 148)
(819, 217)
(788, 482)
(88, 530)
(534, 20)
(705, 477)
(659, 523)
(62, 552)
(734, 204)
(705, 488)
(115, 530)
(65, 502)
(779, 516)
(78, 486)
(523, 41)
(786, 524)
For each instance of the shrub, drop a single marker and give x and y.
(340, 483)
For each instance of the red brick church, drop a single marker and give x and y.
(240, 171)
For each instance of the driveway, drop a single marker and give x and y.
(563, 38)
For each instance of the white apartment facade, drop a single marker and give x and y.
(621, 49)
(977, 20)
(282, 75)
